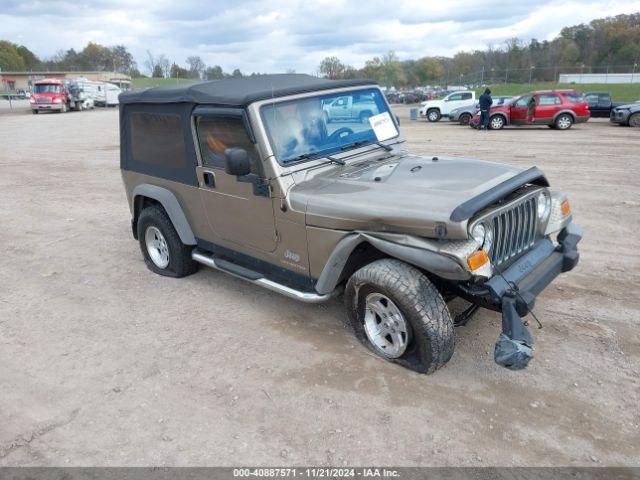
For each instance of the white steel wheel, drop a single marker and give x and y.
(157, 247)
(385, 326)
(496, 122)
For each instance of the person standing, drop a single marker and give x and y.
(485, 105)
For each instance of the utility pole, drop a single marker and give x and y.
(482, 76)
(530, 73)
(633, 72)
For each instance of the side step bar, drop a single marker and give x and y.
(257, 278)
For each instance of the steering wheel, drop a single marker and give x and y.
(339, 134)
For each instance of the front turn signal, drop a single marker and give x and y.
(477, 259)
(565, 208)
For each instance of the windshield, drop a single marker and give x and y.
(46, 88)
(321, 125)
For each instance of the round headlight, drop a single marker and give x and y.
(544, 205)
(483, 235)
(478, 233)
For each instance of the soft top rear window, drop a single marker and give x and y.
(157, 139)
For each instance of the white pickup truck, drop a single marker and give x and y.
(434, 110)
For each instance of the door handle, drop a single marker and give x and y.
(209, 179)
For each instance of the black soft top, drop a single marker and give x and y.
(238, 91)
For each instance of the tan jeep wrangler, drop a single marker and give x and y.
(263, 177)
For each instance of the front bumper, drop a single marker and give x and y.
(619, 116)
(538, 268)
(514, 290)
(46, 106)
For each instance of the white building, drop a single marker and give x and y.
(600, 77)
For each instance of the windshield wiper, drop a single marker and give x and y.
(339, 161)
(311, 156)
(361, 143)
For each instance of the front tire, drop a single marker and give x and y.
(634, 120)
(433, 115)
(397, 313)
(496, 122)
(163, 251)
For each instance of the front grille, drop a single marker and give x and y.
(44, 100)
(514, 230)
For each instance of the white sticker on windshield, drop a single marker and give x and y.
(383, 126)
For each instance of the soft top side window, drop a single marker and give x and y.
(217, 133)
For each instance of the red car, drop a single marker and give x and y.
(556, 108)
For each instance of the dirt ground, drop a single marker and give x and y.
(104, 363)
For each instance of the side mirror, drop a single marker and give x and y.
(238, 162)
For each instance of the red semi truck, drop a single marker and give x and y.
(49, 94)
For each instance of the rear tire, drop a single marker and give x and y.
(163, 251)
(399, 287)
(464, 119)
(563, 122)
(35, 112)
(433, 115)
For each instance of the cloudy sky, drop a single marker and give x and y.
(276, 35)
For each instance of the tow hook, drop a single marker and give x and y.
(514, 347)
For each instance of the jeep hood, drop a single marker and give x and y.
(402, 194)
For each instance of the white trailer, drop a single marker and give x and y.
(107, 95)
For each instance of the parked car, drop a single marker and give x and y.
(434, 110)
(244, 175)
(463, 115)
(49, 94)
(600, 104)
(558, 109)
(628, 114)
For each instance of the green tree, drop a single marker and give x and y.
(177, 71)
(10, 59)
(429, 70)
(31, 61)
(214, 73)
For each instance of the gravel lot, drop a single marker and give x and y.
(104, 363)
